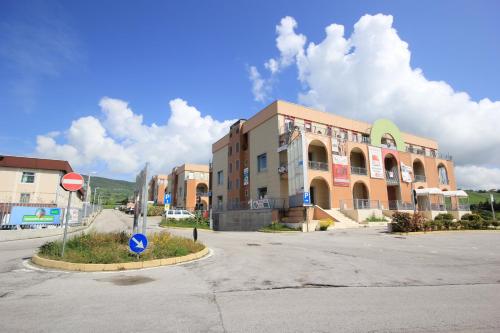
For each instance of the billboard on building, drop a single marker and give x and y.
(406, 172)
(376, 166)
(340, 170)
(245, 177)
(35, 215)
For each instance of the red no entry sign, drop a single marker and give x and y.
(72, 181)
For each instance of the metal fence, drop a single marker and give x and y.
(21, 215)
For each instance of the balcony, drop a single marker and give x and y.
(359, 171)
(392, 177)
(202, 194)
(322, 166)
(400, 205)
(420, 178)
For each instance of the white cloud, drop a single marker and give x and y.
(259, 85)
(475, 177)
(124, 143)
(368, 75)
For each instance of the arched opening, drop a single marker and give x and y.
(320, 193)
(392, 180)
(387, 141)
(443, 175)
(317, 155)
(360, 196)
(418, 171)
(358, 162)
(202, 190)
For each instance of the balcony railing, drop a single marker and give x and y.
(359, 204)
(420, 178)
(359, 171)
(202, 194)
(400, 205)
(317, 129)
(392, 177)
(315, 165)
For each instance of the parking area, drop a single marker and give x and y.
(341, 280)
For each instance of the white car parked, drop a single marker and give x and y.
(178, 214)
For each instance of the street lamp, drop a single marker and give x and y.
(87, 194)
(93, 201)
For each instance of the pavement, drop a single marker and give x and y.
(350, 280)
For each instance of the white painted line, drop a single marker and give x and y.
(72, 181)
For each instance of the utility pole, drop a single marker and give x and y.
(86, 197)
(145, 199)
(93, 201)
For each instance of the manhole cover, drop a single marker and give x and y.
(253, 244)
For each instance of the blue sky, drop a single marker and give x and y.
(59, 59)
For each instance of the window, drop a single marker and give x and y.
(220, 177)
(237, 147)
(230, 151)
(28, 177)
(443, 175)
(25, 198)
(262, 192)
(237, 184)
(230, 167)
(219, 201)
(229, 184)
(329, 131)
(288, 124)
(262, 162)
(237, 164)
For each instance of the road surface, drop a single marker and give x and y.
(337, 281)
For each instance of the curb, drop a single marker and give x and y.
(185, 228)
(442, 232)
(69, 266)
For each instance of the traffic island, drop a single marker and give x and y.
(110, 252)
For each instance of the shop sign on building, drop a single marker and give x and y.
(376, 167)
(406, 172)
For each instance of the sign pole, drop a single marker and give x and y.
(492, 207)
(145, 200)
(66, 225)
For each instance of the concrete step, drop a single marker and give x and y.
(341, 220)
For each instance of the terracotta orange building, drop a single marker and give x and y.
(188, 186)
(290, 156)
(157, 188)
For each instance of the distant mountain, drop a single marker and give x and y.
(112, 191)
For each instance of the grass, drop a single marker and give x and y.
(278, 227)
(200, 223)
(96, 248)
(476, 197)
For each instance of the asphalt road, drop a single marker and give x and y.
(361, 280)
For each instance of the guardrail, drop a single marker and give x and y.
(318, 165)
(359, 204)
(420, 178)
(359, 171)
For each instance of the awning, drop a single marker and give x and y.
(430, 190)
(435, 190)
(458, 193)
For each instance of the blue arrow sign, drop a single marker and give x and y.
(138, 243)
(166, 200)
(307, 198)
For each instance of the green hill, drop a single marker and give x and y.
(476, 197)
(112, 191)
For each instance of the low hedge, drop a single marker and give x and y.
(155, 210)
(198, 221)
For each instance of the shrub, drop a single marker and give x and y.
(437, 225)
(374, 218)
(485, 224)
(444, 217)
(404, 222)
(417, 222)
(495, 223)
(155, 210)
(324, 224)
(472, 217)
(475, 224)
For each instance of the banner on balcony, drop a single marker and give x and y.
(376, 167)
(340, 170)
(245, 177)
(406, 172)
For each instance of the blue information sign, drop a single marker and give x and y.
(138, 243)
(307, 198)
(166, 200)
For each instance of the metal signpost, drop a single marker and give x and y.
(141, 201)
(71, 182)
(138, 243)
(492, 200)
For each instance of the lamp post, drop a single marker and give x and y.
(93, 201)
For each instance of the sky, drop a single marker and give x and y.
(109, 85)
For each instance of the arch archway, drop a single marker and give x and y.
(360, 195)
(317, 155)
(320, 193)
(202, 189)
(357, 160)
(418, 171)
(443, 174)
